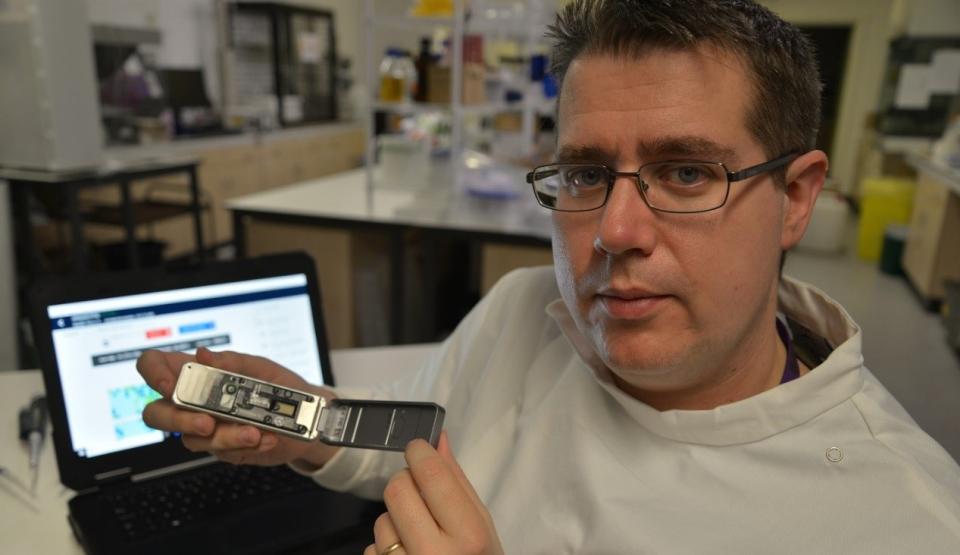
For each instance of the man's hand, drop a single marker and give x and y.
(230, 442)
(432, 508)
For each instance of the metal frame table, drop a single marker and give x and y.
(24, 182)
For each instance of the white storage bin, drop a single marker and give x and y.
(827, 230)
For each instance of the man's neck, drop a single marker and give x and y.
(745, 377)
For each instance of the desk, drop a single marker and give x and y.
(281, 219)
(24, 182)
(932, 251)
(44, 528)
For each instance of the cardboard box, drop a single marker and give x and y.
(438, 85)
(474, 84)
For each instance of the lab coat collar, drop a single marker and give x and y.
(831, 383)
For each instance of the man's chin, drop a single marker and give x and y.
(637, 345)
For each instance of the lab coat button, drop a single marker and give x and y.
(834, 454)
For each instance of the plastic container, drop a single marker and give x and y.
(827, 230)
(392, 77)
(884, 201)
(404, 162)
(407, 72)
(432, 8)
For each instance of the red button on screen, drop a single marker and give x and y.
(159, 332)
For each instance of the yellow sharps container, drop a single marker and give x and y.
(884, 201)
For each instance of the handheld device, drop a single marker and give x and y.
(385, 425)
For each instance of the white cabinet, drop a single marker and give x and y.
(49, 113)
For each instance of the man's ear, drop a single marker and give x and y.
(805, 177)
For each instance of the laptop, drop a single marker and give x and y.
(139, 490)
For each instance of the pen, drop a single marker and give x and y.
(33, 425)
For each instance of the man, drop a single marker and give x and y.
(644, 396)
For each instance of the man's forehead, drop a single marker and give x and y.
(660, 147)
(666, 103)
(612, 79)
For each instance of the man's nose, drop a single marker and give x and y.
(626, 222)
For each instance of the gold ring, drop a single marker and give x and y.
(392, 548)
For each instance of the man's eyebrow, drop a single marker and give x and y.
(687, 147)
(663, 148)
(583, 153)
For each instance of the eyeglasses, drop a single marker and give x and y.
(675, 186)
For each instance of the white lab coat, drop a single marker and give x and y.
(568, 463)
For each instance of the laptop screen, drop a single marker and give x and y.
(97, 342)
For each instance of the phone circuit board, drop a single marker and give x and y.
(247, 400)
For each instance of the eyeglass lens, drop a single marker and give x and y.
(680, 186)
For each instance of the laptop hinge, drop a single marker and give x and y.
(113, 476)
(173, 469)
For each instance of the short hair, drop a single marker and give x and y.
(785, 113)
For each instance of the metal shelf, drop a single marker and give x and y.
(144, 212)
(411, 23)
(526, 30)
(485, 108)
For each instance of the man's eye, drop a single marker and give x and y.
(585, 177)
(688, 175)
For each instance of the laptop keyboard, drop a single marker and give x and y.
(151, 508)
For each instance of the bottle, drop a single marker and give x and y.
(423, 63)
(407, 72)
(391, 77)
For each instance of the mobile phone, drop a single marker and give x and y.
(386, 425)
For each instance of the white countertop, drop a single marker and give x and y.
(191, 145)
(108, 167)
(437, 206)
(949, 176)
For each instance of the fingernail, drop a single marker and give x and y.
(415, 450)
(250, 436)
(268, 442)
(201, 424)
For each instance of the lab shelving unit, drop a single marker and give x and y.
(526, 28)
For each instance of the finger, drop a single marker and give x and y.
(235, 456)
(411, 518)
(160, 369)
(164, 415)
(446, 497)
(226, 437)
(248, 365)
(371, 550)
(385, 535)
(443, 447)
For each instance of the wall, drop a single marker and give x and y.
(124, 13)
(872, 29)
(931, 17)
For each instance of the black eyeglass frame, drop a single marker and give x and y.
(612, 176)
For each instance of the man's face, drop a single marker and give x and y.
(668, 300)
